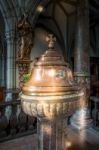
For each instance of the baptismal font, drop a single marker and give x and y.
(51, 95)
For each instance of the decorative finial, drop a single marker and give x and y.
(51, 40)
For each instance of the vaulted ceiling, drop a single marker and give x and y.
(60, 14)
(55, 17)
(17, 7)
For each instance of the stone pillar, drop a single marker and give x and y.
(10, 63)
(81, 53)
(82, 47)
(10, 66)
(81, 62)
(52, 134)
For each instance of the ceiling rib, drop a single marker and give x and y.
(73, 3)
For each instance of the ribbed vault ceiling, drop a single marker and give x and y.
(15, 8)
(12, 10)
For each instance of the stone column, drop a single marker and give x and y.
(10, 63)
(81, 62)
(10, 67)
(52, 134)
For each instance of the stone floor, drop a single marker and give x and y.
(83, 140)
(24, 143)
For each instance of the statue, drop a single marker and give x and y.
(25, 38)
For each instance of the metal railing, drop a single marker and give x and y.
(14, 122)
